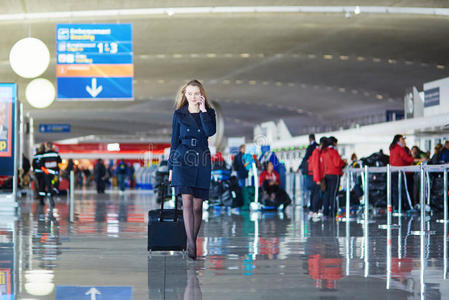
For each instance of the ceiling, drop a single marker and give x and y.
(316, 71)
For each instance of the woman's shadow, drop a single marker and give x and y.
(172, 277)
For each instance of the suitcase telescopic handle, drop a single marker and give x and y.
(173, 197)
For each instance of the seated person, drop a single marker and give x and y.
(270, 182)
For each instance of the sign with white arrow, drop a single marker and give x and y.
(94, 90)
(93, 293)
(94, 62)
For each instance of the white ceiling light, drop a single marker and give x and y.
(40, 93)
(29, 57)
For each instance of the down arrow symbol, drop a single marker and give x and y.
(94, 90)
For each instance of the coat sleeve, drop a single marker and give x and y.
(407, 158)
(339, 163)
(208, 122)
(174, 141)
(316, 168)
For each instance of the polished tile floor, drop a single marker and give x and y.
(102, 255)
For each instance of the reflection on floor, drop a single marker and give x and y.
(242, 255)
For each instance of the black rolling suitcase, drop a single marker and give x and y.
(166, 229)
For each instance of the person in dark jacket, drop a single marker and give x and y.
(38, 173)
(445, 153)
(100, 176)
(122, 170)
(190, 160)
(437, 157)
(239, 166)
(50, 166)
(304, 167)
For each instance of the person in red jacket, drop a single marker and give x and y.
(315, 170)
(332, 170)
(270, 175)
(399, 157)
(270, 181)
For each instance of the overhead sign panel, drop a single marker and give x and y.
(54, 128)
(94, 62)
(432, 97)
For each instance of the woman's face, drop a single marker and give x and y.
(193, 94)
(270, 167)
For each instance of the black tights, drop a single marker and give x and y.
(192, 213)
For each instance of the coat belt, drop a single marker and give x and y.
(193, 142)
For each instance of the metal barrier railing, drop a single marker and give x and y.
(295, 186)
(423, 170)
(72, 197)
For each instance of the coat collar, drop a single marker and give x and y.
(185, 110)
(188, 116)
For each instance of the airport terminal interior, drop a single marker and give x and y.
(323, 128)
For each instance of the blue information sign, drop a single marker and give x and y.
(432, 97)
(54, 128)
(94, 62)
(93, 292)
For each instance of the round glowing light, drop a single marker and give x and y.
(29, 57)
(39, 282)
(40, 93)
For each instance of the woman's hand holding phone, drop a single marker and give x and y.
(202, 103)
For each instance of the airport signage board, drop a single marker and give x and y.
(93, 292)
(54, 128)
(94, 62)
(432, 97)
(8, 92)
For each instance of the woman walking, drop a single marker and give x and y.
(190, 162)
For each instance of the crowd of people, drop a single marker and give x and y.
(322, 168)
(50, 179)
(401, 155)
(120, 174)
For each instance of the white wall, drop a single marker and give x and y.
(366, 140)
(443, 107)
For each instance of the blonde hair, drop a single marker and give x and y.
(181, 98)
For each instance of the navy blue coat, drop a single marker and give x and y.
(191, 161)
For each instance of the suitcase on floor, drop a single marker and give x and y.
(166, 230)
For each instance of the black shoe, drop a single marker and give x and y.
(191, 253)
